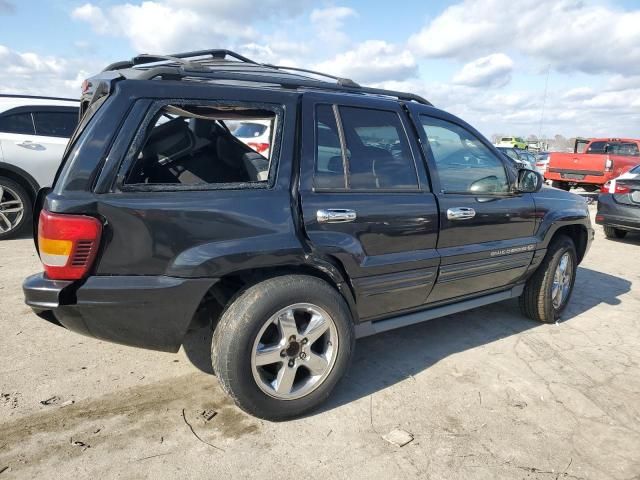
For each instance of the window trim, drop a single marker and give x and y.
(429, 153)
(345, 160)
(141, 135)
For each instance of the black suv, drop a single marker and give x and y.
(359, 210)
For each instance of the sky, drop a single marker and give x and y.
(509, 67)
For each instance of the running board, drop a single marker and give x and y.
(371, 328)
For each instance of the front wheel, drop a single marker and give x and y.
(548, 291)
(282, 346)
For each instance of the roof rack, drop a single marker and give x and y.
(214, 64)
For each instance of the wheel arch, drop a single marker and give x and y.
(230, 286)
(578, 233)
(23, 178)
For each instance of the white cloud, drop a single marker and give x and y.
(33, 74)
(491, 71)
(579, 93)
(329, 22)
(93, 16)
(568, 34)
(372, 61)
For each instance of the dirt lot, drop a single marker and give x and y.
(486, 394)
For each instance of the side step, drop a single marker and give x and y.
(371, 328)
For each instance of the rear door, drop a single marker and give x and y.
(486, 236)
(366, 201)
(34, 139)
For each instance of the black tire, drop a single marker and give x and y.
(234, 338)
(536, 301)
(11, 187)
(561, 185)
(611, 232)
(590, 188)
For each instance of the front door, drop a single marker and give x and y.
(486, 237)
(366, 201)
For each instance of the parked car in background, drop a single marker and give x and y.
(603, 160)
(542, 160)
(34, 132)
(374, 210)
(522, 158)
(513, 142)
(255, 133)
(619, 204)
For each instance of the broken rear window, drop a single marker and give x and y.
(193, 145)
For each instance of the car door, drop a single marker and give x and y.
(34, 139)
(486, 236)
(366, 201)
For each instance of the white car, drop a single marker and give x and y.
(34, 132)
(610, 186)
(256, 134)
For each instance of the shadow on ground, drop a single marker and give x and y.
(391, 357)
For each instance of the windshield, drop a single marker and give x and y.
(249, 130)
(506, 139)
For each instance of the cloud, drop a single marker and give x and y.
(329, 22)
(167, 26)
(570, 35)
(34, 74)
(491, 71)
(372, 61)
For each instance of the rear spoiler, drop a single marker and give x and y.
(94, 88)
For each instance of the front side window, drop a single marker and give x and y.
(191, 145)
(55, 124)
(464, 163)
(17, 123)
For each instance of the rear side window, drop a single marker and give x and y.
(377, 151)
(55, 124)
(596, 147)
(17, 123)
(464, 163)
(191, 145)
(250, 130)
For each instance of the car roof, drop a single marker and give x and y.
(614, 140)
(8, 102)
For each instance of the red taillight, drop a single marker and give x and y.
(67, 244)
(259, 147)
(621, 189)
(608, 165)
(613, 186)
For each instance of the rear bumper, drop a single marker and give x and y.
(614, 214)
(588, 177)
(143, 311)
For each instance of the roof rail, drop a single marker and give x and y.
(191, 64)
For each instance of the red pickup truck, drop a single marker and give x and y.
(602, 160)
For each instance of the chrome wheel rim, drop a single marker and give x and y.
(294, 351)
(11, 209)
(562, 277)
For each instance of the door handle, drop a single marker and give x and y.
(28, 144)
(335, 215)
(460, 213)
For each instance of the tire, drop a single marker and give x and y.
(243, 323)
(14, 196)
(561, 185)
(537, 301)
(611, 232)
(590, 188)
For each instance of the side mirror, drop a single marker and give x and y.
(529, 181)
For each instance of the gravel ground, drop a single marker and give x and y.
(484, 394)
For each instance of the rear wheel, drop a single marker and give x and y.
(611, 232)
(15, 208)
(282, 346)
(561, 185)
(548, 291)
(590, 188)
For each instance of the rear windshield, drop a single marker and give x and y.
(614, 148)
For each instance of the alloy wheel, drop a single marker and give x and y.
(562, 278)
(294, 351)
(11, 209)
